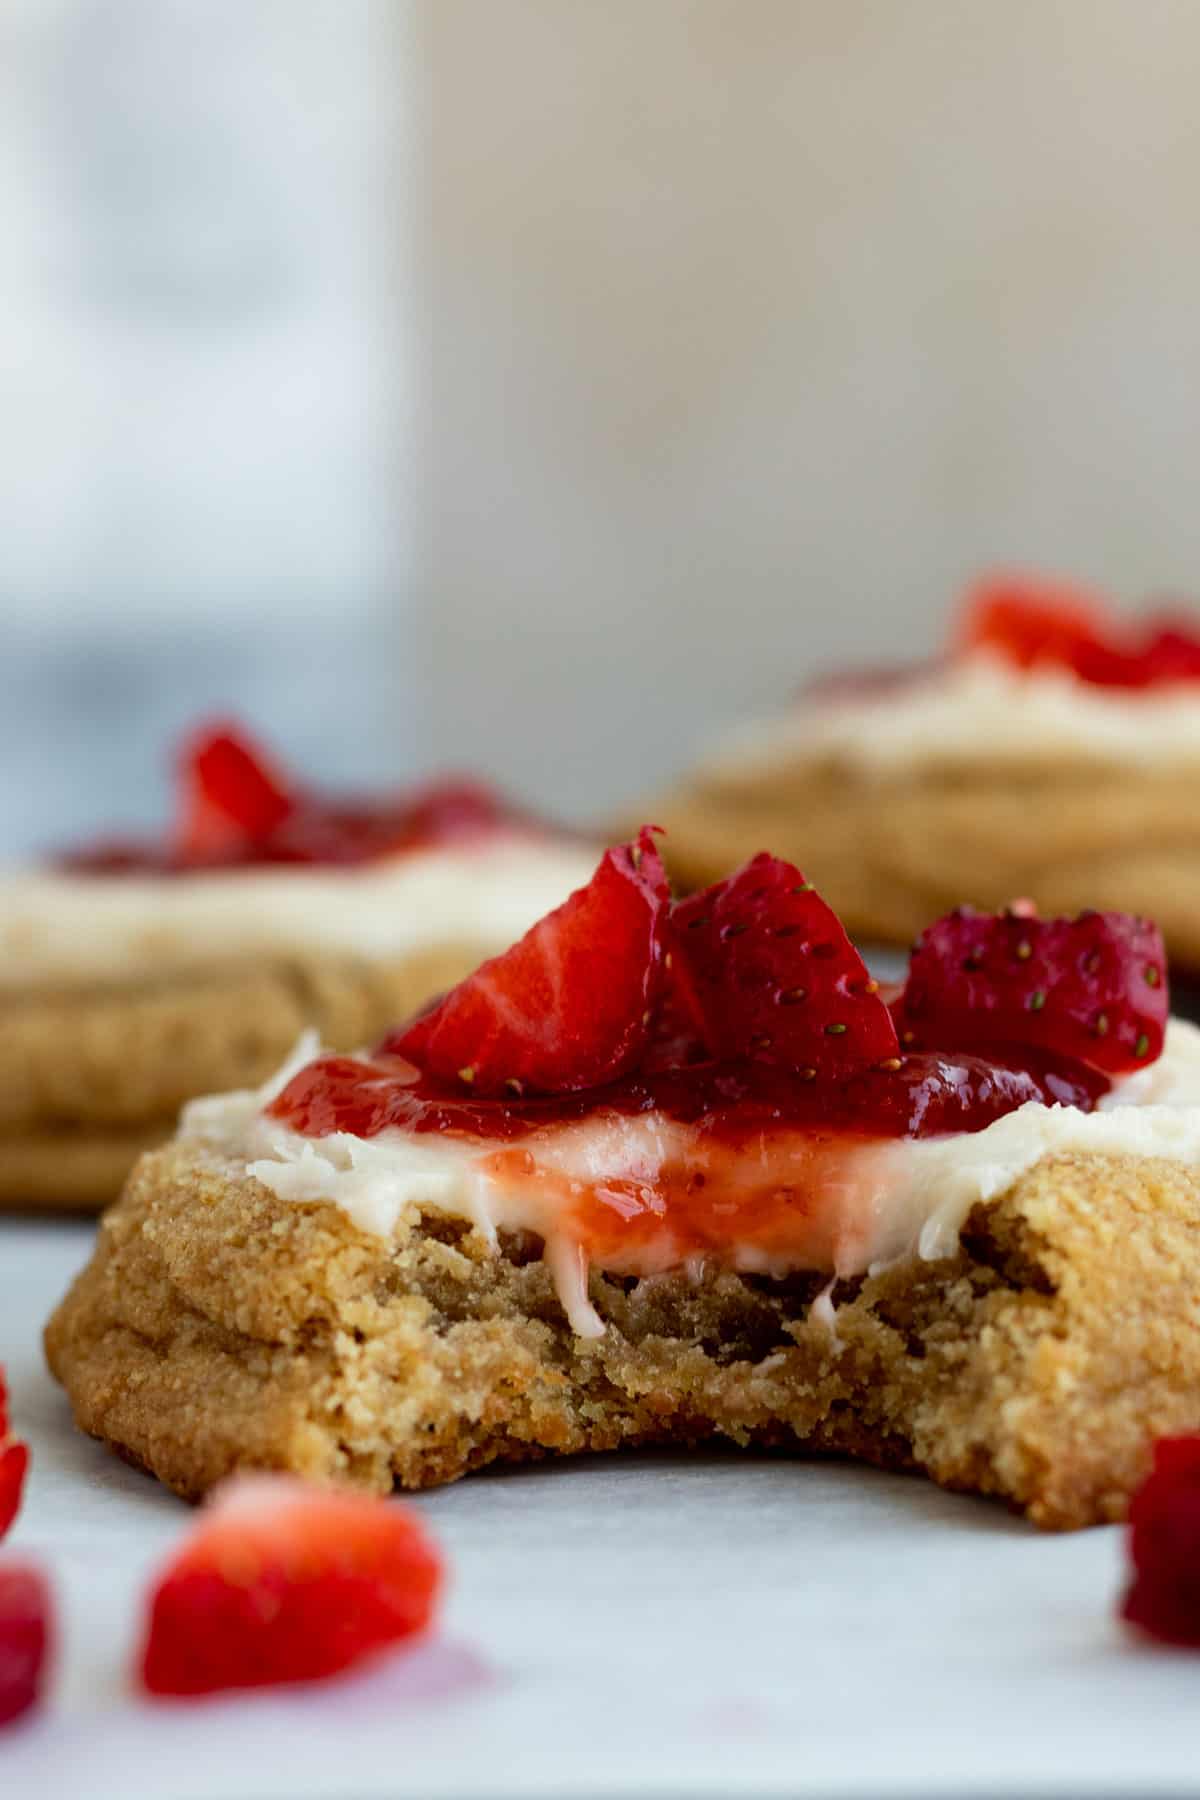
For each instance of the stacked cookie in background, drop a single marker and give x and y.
(1052, 752)
(135, 976)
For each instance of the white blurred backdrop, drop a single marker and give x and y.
(205, 353)
(538, 384)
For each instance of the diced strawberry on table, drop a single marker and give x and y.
(14, 1463)
(26, 1640)
(282, 1582)
(1163, 1598)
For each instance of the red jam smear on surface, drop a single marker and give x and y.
(771, 1158)
(320, 831)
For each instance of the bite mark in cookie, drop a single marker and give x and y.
(806, 1195)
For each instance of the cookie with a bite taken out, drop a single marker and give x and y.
(666, 1172)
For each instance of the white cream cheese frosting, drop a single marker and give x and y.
(903, 1197)
(58, 926)
(977, 708)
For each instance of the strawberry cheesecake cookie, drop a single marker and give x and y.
(1052, 752)
(135, 976)
(663, 1173)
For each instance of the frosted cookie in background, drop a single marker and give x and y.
(1053, 752)
(135, 976)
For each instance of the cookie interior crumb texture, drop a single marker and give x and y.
(220, 1328)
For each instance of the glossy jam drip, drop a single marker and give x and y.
(797, 1201)
(320, 831)
(927, 1096)
(742, 1160)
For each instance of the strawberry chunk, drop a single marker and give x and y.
(771, 974)
(1157, 652)
(1092, 988)
(570, 1006)
(283, 1582)
(1038, 623)
(231, 795)
(26, 1637)
(1170, 652)
(14, 1462)
(1163, 1599)
(1032, 621)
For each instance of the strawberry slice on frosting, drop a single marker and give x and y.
(646, 1085)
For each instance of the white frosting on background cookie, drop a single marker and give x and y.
(901, 1197)
(980, 708)
(59, 926)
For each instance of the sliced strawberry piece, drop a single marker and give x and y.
(1163, 1598)
(14, 1461)
(1092, 988)
(570, 1005)
(1037, 623)
(26, 1637)
(1154, 653)
(1171, 652)
(1031, 621)
(231, 795)
(284, 1582)
(772, 975)
(677, 1037)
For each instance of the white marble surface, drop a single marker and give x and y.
(654, 1626)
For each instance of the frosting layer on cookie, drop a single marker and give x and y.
(638, 1195)
(977, 709)
(60, 927)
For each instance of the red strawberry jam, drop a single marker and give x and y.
(236, 809)
(926, 1095)
(766, 1162)
(645, 1082)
